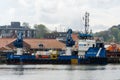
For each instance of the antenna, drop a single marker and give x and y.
(86, 23)
(86, 34)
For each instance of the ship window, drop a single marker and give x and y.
(82, 44)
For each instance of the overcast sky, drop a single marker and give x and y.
(62, 14)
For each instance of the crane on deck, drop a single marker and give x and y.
(18, 43)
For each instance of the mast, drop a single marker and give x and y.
(86, 23)
(86, 34)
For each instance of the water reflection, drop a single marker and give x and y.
(59, 72)
(19, 70)
(58, 67)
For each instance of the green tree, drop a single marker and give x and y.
(25, 24)
(41, 30)
(111, 35)
(115, 33)
(119, 37)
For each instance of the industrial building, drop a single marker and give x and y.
(61, 36)
(6, 44)
(11, 31)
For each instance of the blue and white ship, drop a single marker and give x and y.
(89, 51)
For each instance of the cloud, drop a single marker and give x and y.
(67, 13)
(24, 3)
(97, 28)
(58, 12)
(11, 11)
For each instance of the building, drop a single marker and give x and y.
(11, 31)
(61, 36)
(32, 44)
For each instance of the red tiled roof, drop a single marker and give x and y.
(34, 43)
(4, 48)
(5, 41)
(47, 43)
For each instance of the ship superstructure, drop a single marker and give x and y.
(85, 38)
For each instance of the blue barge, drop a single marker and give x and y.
(94, 55)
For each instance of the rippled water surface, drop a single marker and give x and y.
(60, 72)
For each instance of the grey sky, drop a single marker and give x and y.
(61, 13)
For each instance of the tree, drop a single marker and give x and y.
(41, 30)
(25, 24)
(119, 37)
(111, 35)
(115, 32)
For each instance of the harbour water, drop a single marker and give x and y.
(60, 72)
